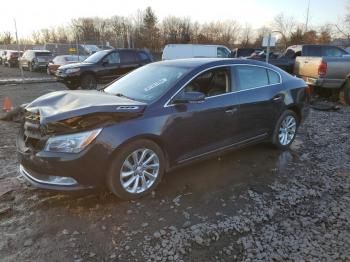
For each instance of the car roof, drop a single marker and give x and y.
(197, 62)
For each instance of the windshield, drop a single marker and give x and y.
(95, 58)
(147, 83)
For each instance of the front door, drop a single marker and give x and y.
(208, 126)
(109, 67)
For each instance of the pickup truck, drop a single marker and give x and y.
(324, 67)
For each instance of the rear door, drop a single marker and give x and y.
(129, 61)
(261, 98)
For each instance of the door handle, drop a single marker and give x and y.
(277, 98)
(231, 111)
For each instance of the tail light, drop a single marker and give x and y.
(322, 68)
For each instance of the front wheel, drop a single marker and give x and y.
(136, 169)
(88, 82)
(285, 129)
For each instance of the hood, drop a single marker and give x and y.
(75, 65)
(61, 105)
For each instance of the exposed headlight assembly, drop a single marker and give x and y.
(72, 70)
(72, 143)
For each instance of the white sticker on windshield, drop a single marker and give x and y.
(155, 84)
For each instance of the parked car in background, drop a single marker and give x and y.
(2, 56)
(180, 51)
(35, 59)
(11, 58)
(244, 52)
(63, 60)
(284, 61)
(324, 67)
(156, 118)
(102, 67)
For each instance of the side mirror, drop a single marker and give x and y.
(189, 97)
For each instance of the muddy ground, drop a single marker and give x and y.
(254, 204)
(14, 72)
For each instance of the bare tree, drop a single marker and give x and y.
(343, 26)
(285, 25)
(246, 36)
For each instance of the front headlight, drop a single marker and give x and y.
(72, 143)
(72, 70)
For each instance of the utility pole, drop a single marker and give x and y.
(307, 16)
(18, 48)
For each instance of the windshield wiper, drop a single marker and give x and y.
(122, 95)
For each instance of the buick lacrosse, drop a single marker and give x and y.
(158, 117)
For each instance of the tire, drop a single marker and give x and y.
(88, 82)
(119, 186)
(282, 138)
(344, 93)
(71, 86)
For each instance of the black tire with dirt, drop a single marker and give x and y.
(114, 173)
(88, 82)
(344, 94)
(275, 136)
(71, 86)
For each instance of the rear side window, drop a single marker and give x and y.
(274, 78)
(143, 56)
(128, 57)
(223, 52)
(251, 77)
(333, 51)
(42, 54)
(313, 50)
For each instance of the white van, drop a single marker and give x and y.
(178, 51)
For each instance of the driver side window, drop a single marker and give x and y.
(113, 58)
(211, 83)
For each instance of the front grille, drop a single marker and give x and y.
(33, 132)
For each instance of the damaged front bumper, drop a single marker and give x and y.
(51, 182)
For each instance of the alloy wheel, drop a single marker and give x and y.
(287, 130)
(139, 171)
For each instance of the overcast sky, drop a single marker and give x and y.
(37, 14)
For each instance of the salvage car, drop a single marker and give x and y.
(11, 58)
(158, 117)
(325, 68)
(102, 67)
(34, 60)
(63, 60)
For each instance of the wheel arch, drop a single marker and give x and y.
(295, 109)
(154, 138)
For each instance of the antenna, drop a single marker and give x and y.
(307, 15)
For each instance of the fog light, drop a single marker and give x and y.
(62, 180)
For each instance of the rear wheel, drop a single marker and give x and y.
(88, 82)
(344, 94)
(136, 170)
(285, 129)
